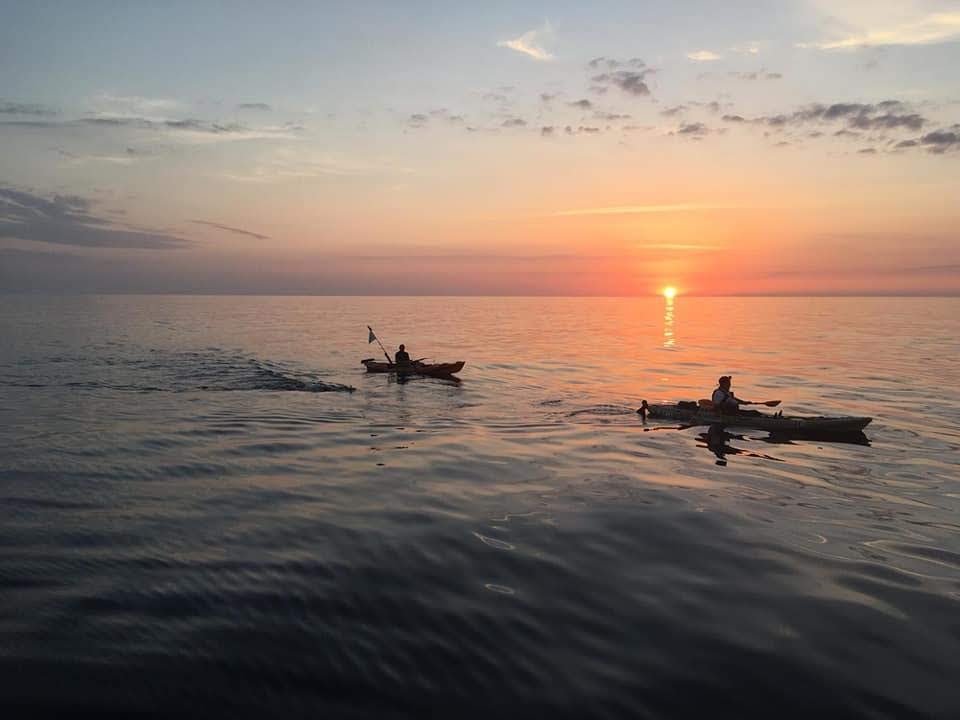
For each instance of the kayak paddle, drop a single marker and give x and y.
(708, 404)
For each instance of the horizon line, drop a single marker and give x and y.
(474, 295)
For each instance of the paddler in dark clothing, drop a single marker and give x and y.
(725, 402)
(723, 398)
(402, 358)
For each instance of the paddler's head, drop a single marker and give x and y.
(724, 381)
(402, 347)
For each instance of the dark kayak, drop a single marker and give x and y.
(414, 368)
(691, 414)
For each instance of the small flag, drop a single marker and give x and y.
(372, 336)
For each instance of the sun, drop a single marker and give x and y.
(669, 292)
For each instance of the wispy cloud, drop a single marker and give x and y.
(254, 106)
(186, 130)
(129, 157)
(755, 75)
(749, 48)
(287, 165)
(679, 246)
(33, 109)
(531, 43)
(108, 104)
(71, 220)
(228, 228)
(703, 56)
(421, 120)
(642, 209)
(613, 63)
(926, 29)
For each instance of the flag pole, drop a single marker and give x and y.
(385, 353)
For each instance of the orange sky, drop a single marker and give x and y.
(810, 149)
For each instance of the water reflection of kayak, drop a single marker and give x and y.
(806, 425)
(414, 368)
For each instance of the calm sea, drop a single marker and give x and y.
(199, 516)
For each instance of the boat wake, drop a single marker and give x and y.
(603, 410)
(151, 370)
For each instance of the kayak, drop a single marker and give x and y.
(415, 368)
(688, 412)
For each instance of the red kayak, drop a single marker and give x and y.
(414, 368)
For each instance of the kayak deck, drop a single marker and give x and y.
(774, 423)
(415, 368)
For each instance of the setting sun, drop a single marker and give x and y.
(669, 292)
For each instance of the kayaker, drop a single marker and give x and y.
(402, 357)
(723, 398)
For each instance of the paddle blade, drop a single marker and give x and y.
(772, 403)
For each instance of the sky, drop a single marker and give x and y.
(501, 148)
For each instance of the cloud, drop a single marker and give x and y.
(928, 29)
(13, 108)
(35, 124)
(642, 209)
(749, 48)
(581, 104)
(548, 97)
(873, 122)
(631, 82)
(885, 115)
(418, 120)
(254, 106)
(713, 106)
(70, 220)
(609, 116)
(581, 130)
(531, 43)
(547, 131)
(514, 122)
(695, 130)
(703, 56)
(612, 64)
(129, 157)
(936, 269)
(238, 231)
(692, 129)
(674, 111)
(292, 165)
(937, 142)
(133, 106)
(756, 75)
(188, 130)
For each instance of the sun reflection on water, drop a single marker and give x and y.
(669, 339)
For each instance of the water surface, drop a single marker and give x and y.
(207, 506)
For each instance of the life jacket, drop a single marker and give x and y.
(723, 398)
